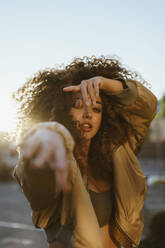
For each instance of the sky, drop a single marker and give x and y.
(39, 34)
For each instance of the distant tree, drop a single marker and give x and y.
(161, 108)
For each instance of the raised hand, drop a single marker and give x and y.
(89, 89)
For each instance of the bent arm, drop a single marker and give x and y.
(139, 107)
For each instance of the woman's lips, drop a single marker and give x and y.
(86, 127)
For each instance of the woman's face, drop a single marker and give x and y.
(88, 118)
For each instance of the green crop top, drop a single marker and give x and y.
(102, 203)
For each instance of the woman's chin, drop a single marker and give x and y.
(87, 136)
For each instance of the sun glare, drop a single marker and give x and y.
(8, 114)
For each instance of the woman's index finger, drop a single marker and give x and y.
(74, 88)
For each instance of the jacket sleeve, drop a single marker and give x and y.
(39, 185)
(139, 107)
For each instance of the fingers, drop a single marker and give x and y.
(59, 160)
(97, 88)
(59, 164)
(84, 92)
(89, 89)
(43, 156)
(62, 181)
(72, 88)
(92, 92)
(30, 148)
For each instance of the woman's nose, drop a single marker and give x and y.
(87, 113)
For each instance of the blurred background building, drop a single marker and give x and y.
(154, 145)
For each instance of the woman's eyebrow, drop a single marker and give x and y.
(79, 98)
(99, 102)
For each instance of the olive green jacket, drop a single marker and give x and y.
(75, 208)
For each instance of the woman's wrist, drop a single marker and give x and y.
(111, 85)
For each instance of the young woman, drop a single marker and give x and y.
(81, 128)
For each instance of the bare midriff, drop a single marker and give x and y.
(106, 237)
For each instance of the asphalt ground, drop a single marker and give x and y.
(16, 228)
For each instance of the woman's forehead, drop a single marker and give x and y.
(78, 95)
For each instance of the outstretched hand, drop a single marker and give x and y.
(46, 148)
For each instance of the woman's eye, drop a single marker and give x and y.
(97, 110)
(74, 105)
(77, 104)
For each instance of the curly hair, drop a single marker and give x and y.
(42, 99)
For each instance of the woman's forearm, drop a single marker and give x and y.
(111, 85)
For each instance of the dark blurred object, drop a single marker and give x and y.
(156, 237)
(154, 145)
(8, 157)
